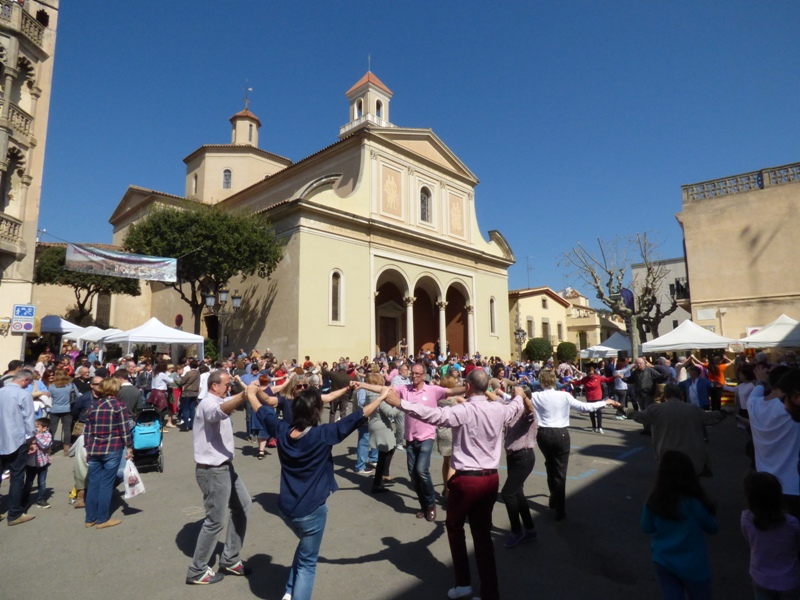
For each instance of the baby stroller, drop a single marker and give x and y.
(147, 447)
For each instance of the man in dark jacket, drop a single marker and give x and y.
(129, 394)
(644, 379)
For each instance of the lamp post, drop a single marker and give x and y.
(520, 336)
(218, 307)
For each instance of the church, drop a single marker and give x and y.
(381, 243)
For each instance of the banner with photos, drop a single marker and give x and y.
(86, 259)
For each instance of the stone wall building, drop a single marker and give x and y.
(740, 249)
(27, 45)
(381, 242)
(674, 285)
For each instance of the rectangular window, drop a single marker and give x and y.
(560, 332)
(335, 297)
(544, 302)
(546, 331)
(674, 323)
(530, 328)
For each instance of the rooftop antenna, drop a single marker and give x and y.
(247, 90)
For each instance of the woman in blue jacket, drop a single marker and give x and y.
(304, 449)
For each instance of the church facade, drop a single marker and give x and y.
(381, 242)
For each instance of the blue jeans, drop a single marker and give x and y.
(675, 588)
(102, 472)
(363, 453)
(309, 530)
(188, 406)
(40, 474)
(418, 455)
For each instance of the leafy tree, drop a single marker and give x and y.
(607, 273)
(212, 246)
(49, 269)
(538, 349)
(566, 351)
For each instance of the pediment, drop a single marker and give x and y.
(136, 198)
(427, 145)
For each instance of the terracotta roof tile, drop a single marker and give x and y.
(369, 78)
(246, 113)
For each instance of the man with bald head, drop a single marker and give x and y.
(477, 425)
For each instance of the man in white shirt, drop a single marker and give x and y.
(221, 486)
(776, 437)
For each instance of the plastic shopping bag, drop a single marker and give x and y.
(133, 483)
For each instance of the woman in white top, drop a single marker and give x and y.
(552, 412)
(160, 397)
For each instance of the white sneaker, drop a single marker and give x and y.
(600, 430)
(459, 592)
(287, 597)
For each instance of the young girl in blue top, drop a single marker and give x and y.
(304, 449)
(678, 513)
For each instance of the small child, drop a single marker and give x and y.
(38, 463)
(774, 540)
(678, 513)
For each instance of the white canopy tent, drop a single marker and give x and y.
(783, 331)
(98, 336)
(55, 324)
(600, 351)
(687, 336)
(74, 334)
(155, 332)
(90, 334)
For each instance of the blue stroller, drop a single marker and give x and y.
(147, 444)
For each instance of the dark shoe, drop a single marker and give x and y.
(514, 539)
(23, 518)
(205, 578)
(42, 504)
(645, 432)
(561, 516)
(430, 513)
(237, 569)
(530, 534)
(378, 489)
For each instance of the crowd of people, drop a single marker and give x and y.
(470, 409)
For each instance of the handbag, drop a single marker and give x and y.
(77, 429)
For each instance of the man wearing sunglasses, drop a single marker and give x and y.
(222, 487)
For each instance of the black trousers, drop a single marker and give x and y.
(597, 419)
(382, 468)
(520, 464)
(554, 443)
(715, 396)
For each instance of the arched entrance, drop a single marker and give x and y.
(426, 318)
(457, 320)
(390, 308)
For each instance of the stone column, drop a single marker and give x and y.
(470, 330)
(441, 305)
(409, 301)
(373, 340)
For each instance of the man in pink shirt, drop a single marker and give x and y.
(477, 444)
(420, 436)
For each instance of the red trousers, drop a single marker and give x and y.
(473, 497)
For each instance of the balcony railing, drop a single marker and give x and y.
(17, 18)
(20, 120)
(739, 184)
(11, 234)
(368, 118)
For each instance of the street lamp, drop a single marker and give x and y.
(217, 306)
(520, 335)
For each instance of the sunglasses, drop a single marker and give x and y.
(301, 386)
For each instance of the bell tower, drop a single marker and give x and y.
(245, 128)
(369, 104)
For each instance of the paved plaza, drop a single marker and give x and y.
(374, 548)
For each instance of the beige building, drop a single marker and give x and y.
(586, 326)
(27, 45)
(740, 248)
(381, 242)
(540, 313)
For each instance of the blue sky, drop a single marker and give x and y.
(581, 119)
